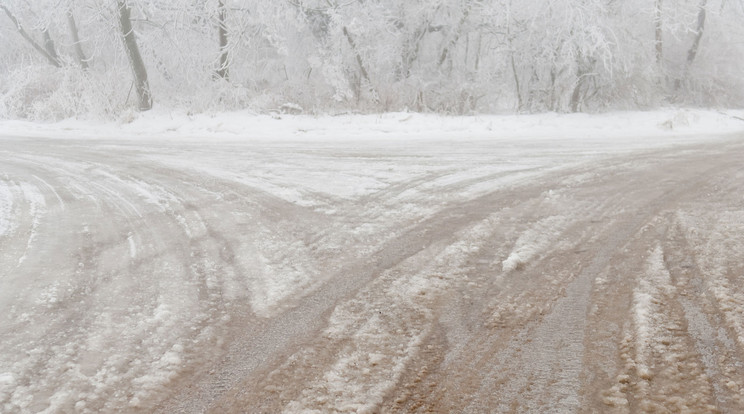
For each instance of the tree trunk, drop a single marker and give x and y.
(76, 40)
(410, 52)
(52, 58)
(576, 96)
(659, 42)
(359, 60)
(478, 51)
(49, 44)
(456, 35)
(412, 45)
(698, 34)
(223, 71)
(135, 59)
(517, 89)
(584, 67)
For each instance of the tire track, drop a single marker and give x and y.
(152, 286)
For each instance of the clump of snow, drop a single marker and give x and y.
(280, 278)
(681, 119)
(536, 239)
(7, 384)
(162, 372)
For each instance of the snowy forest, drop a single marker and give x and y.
(101, 59)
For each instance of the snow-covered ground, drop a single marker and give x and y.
(165, 125)
(395, 262)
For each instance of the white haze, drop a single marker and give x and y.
(330, 57)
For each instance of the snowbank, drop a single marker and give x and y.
(242, 126)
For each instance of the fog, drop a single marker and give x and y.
(371, 206)
(63, 59)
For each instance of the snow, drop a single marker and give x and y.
(351, 180)
(724, 235)
(361, 376)
(132, 246)
(648, 297)
(6, 208)
(50, 188)
(159, 124)
(37, 208)
(7, 384)
(542, 235)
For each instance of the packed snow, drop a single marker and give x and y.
(132, 253)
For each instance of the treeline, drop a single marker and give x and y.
(106, 58)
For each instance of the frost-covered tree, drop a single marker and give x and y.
(139, 71)
(45, 46)
(62, 58)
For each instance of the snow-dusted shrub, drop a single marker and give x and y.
(46, 93)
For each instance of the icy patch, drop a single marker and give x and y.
(647, 299)
(289, 194)
(116, 195)
(37, 207)
(49, 186)
(132, 246)
(168, 203)
(153, 194)
(6, 209)
(534, 241)
(298, 177)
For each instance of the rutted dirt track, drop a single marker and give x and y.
(372, 277)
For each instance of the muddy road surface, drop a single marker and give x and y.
(372, 276)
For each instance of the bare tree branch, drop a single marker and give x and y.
(53, 59)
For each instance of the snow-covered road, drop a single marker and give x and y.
(485, 275)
